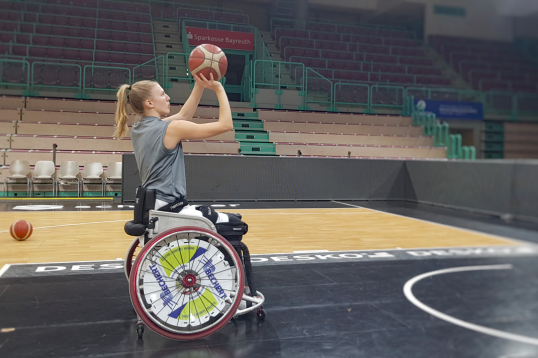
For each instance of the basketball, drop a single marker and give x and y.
(206, 59)
(21, 230)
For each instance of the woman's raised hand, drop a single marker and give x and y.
(207, 83)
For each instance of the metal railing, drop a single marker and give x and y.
(387, 97)
(319, 90)
(15, 74)
(352, 95)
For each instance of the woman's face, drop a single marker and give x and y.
(159, 101)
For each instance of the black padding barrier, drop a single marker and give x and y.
(496, 187)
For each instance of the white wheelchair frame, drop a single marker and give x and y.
(163, 221)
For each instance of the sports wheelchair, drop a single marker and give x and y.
(186, 281)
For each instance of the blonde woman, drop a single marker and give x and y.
(157, 139)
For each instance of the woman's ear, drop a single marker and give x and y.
(149, 104)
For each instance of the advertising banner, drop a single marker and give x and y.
(233, 40)
(453, 110)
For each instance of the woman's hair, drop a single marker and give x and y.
(135, 94)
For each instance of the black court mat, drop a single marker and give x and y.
(347, 309)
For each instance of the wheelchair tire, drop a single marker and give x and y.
(132, 253)
(186, 283)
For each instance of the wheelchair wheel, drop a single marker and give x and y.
(186, 283)
(131, 255)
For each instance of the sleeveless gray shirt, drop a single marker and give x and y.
(160, 168)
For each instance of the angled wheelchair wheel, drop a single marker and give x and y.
(186, 283)
(130, 256)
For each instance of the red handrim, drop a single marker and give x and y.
(148, 321)
(129, 258)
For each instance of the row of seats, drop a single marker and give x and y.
(367, 66)
(361, 30)
(71, 76)
(81, 17)
(376, 40)
(290, 52)
(69, 174)
(36, 53)
(50, 32)
(207, 15)
(134, 29)
(386, 78)
(52, 6)
(41, 44)
(350, 46)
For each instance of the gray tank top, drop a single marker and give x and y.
(160, 168)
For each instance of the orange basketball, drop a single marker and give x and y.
(206, 59)
(21, 230)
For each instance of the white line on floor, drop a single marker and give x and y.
(48, 227)
(4, 269)
(445, 225)
(408, 287)
(308, 251)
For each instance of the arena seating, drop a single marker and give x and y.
(346, 135)
(73, 35)
(175, 11)
(488, 65)
(360, 55)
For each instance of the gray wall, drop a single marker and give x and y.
(486, 186)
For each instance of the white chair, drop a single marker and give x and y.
(113, 173)
(69, 175)
(93, 172)
(44, 171)
(18, 169)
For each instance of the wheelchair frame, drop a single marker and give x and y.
(162, 224)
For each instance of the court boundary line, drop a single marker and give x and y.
(408, 292)
(445, 225)
(111, 221)
(7, 266)
(49, 227)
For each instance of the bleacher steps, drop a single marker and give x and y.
(166, 38)
(165, 27)
(163, 49)
(249, 132)
(254, 148)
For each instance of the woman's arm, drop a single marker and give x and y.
(178, 130)
(188, 109)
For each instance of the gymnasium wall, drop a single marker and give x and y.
(491, 187)
(481, 21)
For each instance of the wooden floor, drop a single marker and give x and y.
(63, 236)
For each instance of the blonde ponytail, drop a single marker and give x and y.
(138, 93)
(121, 113)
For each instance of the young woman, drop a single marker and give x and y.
(157, 139)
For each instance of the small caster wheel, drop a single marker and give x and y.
(261, 314)
(140, 330)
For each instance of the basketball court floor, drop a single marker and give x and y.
(341, 279)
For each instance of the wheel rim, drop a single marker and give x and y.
(186, 282)
(131, 255)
